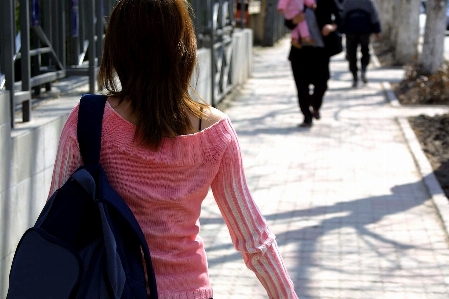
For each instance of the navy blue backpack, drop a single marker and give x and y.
(86, 242)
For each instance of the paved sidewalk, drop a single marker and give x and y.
(352, 215)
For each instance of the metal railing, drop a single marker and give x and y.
(274, 28)
(215, 23)
(43, 41)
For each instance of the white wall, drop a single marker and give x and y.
(27, 152)
(241, 64)
(5, 140)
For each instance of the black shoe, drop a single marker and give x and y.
(364, 80)
(305, 125)
(354, 83)
(316, 114)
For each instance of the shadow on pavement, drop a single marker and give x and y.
(359, 215)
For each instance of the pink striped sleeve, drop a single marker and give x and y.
(248, 229)
(68, 157)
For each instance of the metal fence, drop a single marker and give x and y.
(42, 41)
(214, 24)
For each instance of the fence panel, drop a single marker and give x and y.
(214, 23)
(43, 41)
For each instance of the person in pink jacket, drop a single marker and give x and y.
(290, 9)
(162, 151)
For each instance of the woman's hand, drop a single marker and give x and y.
(328, 28)
(298, 18)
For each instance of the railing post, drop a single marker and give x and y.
(7, 46)
(196, 18)
(90, 28)
(243, 14)
(99, 28)
(35, 61)
(212, 49)
(107, 9)
(59, 33)
(25, 56)
(47, 22)
(230, 13)
(75, 39)
(270, 23)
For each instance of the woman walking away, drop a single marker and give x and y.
(161, 151)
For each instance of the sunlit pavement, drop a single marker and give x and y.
(351, 213)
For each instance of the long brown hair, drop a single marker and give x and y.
(150, 47)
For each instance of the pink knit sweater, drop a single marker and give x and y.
(165, 189)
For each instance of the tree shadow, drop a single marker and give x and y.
(359, 215)
(374, 75)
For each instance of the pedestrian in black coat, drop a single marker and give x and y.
(361, 20)
(310, 65)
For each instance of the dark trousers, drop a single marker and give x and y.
(306, 99)
(352, 43)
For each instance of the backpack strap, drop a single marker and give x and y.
(91, 111)
(113, 199)
(89, 127)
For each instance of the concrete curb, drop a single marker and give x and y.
(433, 186)
(391, 97)
(425, 169)
(389, 93)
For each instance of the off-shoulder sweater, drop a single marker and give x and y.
(165, 190)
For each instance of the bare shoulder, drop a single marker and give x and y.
(213, 116)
